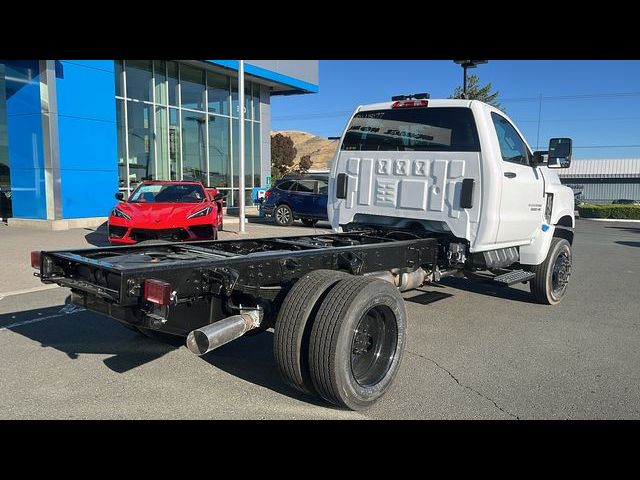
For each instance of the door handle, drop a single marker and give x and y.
(510, 174)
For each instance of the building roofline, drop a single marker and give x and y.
(297, 86)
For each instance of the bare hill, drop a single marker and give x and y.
(320, 149)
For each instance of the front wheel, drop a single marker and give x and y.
(552, 276)
(283, 215)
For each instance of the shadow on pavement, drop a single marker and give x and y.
(251, 359)
(98, 237)
(428, 297)
(489, 289)
(628, 229)
(628, 244)
(85, 332)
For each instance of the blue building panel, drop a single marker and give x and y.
(24, 134)
(85, 92)
(87, 137)
(28, 192)
(88, 193)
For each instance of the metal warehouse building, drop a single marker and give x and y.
(74, 132)
(603, 180)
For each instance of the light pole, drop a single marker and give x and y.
(467, 64)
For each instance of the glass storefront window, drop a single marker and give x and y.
(172, 72)
(122, 154)
(139, 79)
(193, 146)
(175, 163)
(162, 146)
(192, 87)
(168, 140)
(160, 78)
(256, 155)
(248, 163)
(218, 92)
(140, 135)
(219, 152)
(235, 109)
(234, 98)
(255, 89)
(118, 71)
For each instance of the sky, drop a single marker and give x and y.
(600, 110)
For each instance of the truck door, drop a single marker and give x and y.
(522, 199)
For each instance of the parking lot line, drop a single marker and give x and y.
(66, 310)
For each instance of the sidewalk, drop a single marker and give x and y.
(16, 244)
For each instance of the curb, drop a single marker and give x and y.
(627, 220)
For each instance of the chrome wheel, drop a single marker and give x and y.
(283, 215)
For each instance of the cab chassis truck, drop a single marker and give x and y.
(419, 190)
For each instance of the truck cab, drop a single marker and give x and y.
(452, 166)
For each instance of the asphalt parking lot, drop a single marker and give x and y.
(474, 351)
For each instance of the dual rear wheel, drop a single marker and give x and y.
(341, 337)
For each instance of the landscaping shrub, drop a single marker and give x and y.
(631, 212)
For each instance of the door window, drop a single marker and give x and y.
(305, 186)
(512, 147)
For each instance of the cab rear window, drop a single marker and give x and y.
(441, 129)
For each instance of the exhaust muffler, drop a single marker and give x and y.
(212, 336)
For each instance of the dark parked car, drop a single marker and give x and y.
(626, 201)
(301, 197)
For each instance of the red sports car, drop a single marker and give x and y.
(172, 211)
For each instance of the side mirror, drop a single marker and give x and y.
(120, 196)
(538, 158)
(559, 153)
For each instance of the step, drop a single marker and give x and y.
(514, 276)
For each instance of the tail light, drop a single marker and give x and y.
(410, 103)
(35, 259)
(157, 291)
(267, 193)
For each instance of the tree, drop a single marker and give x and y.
(282, 154)
(305, 164)
(476, 92)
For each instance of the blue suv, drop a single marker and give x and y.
(301, 197)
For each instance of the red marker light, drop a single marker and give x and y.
(35, 259)
(267, 193)
(157, 291)
(410, 103)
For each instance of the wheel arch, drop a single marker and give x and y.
(564, 233)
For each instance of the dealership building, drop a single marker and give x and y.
(74, 132)
(603, 180)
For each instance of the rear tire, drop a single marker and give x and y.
(357, 342)
(293, 327)
(283, 215)
(552, 276)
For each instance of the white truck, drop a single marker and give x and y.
(419, 190)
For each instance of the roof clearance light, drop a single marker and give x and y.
(410, 104)
(157, 291)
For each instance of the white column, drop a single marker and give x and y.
(241, 145)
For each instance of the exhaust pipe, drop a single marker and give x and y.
(212, 336)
